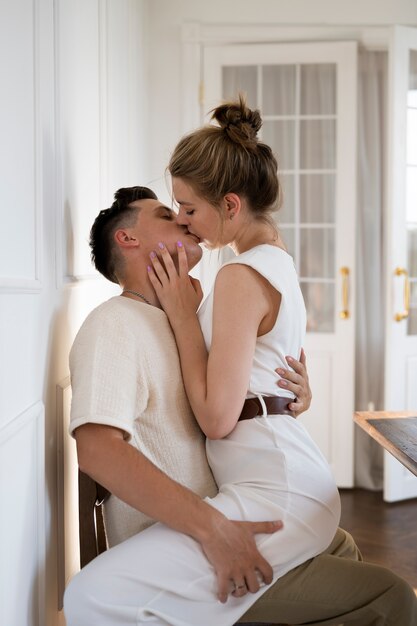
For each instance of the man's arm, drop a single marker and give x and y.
(230, 547)
(296, 380)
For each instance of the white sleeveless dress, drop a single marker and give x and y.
(267, 468)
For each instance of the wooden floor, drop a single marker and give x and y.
(385, 533)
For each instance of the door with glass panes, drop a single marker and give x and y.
(307, 97)
(401, 246)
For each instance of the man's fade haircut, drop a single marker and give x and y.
(105, 255)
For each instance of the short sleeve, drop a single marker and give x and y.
(106, 374)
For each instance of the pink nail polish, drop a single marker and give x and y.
(149, 268)
(153, 254)
(161, 245)
(179, 244)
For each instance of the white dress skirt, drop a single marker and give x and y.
(162, 577)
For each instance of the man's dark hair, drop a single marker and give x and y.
(121, 214)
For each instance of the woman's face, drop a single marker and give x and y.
(201, 218)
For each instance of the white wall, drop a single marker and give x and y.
(166, 18)
(72, 106)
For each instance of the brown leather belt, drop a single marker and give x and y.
(275, 405)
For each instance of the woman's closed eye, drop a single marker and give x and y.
(190, 212)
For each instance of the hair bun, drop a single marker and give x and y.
(238, 120)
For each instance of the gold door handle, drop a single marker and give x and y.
(344, 313)
(401, 271)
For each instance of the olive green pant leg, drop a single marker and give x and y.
(336, 587)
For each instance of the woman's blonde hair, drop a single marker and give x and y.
(229, 158)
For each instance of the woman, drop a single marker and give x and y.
(266, 465)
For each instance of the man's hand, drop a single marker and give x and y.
(297, 382)
(233, 553)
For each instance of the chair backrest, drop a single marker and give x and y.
(91, 497)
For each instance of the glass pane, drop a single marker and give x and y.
(319, 299)
(317, 198)
(317, 255)
(318, 89)
(286, 214)
(411, 194)
(317, 144)
(412, 81)
(412, 253)
(412, 136)
(288, 237)
(240, 79)
(278, 90)
(280, 135)
(412, 318)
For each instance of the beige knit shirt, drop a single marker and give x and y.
(125, 372)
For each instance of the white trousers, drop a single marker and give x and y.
(268, 471)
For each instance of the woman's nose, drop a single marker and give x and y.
(182, 218)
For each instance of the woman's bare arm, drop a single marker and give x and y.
(216, 384)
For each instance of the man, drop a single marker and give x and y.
(136, 436)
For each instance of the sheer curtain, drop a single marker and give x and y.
(372, 84)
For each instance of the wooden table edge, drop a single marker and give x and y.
(362, 419)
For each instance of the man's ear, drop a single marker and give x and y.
(124, 239)
(232, 205)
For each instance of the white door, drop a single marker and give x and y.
(401, 312)
(307, 97)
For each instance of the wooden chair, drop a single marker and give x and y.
(91, 497)
(93, 542)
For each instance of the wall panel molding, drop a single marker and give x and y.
(15, 284)
(59, 212)
(371, 36)
(67, 489)
(75, 184)
(32, 283)
(103, 68)
(99, 120)
(23, 435)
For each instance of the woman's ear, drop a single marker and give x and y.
(232, 205)
(124, 239)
